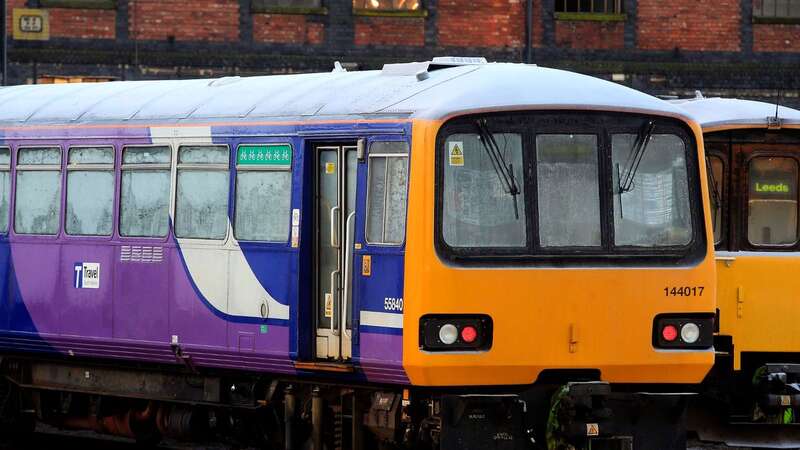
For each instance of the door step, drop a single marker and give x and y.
(324, 366)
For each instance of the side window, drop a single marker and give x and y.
(568, 188)
(716, 185)
(201, 205)
(144, 196)
(5, 187)
(654, 211)
(772, 201)
(388, 192)
(477, 209)
(263, 192)
(90, 191)
(38, 195)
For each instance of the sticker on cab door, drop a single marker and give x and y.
(456, 153)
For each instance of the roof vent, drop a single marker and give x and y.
(457, 61)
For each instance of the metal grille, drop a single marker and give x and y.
(139, 253)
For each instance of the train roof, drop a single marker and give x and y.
(718, 113)
(426, 90)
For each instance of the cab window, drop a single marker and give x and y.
(772, 201)
(477, 209)
(715, 191)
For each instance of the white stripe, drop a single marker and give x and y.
(219, 269)
(382, 319)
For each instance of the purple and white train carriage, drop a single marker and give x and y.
(281, 257)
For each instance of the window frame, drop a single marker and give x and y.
(146, 166)
(11, 183)
(93, 167)
(604, 124)
(419, 12)
(745, 234)
(202, 167)
(261, 7)
(255, 168)
(723, 206)
(79, 4)
(761, 17)
(370, 155)
(614, 10)
(39, 168)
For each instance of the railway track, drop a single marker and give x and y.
(49, 437)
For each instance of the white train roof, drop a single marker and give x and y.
(714, 113)
(427, 90)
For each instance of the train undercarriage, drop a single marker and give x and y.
(147, 404)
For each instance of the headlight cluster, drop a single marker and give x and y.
(455, 332)
(676, 331)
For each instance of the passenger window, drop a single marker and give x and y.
(5, 187)
(201, 206)
(387, 194)
(90, 191)
(478, 209)
(38, 196)
(144, 198)
(568, 187)
(263, 192)
(655, 211)
(715, 191)
(772, 201)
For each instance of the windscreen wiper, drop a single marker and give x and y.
(504, 171)
(635, 157)
(716, 198)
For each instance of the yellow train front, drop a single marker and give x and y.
(557, 262)
(753, 151)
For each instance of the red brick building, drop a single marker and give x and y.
(748, 48)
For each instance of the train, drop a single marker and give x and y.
(752, 153)
(449, 254)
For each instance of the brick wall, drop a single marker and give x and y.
(200, 20)
(286, 29)
(83, 23)
(776, 37)
(10, 5)
(585, 34)
(689, 25)
(481, 23)
(390, 31)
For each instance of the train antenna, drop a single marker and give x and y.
(774, 123)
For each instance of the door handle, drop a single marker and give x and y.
(334, 226)
(348, 269)
(334, 289)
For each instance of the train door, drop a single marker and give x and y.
(758, 281)
(335, 211)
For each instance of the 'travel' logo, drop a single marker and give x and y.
(87, 275)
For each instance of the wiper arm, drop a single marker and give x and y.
(504, 171)
(635, 157)
(716, 198)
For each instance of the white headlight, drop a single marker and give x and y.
(448, 333)
(690, 333)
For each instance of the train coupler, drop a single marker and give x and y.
(485, 421)
(777, 388)
(579, 417)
